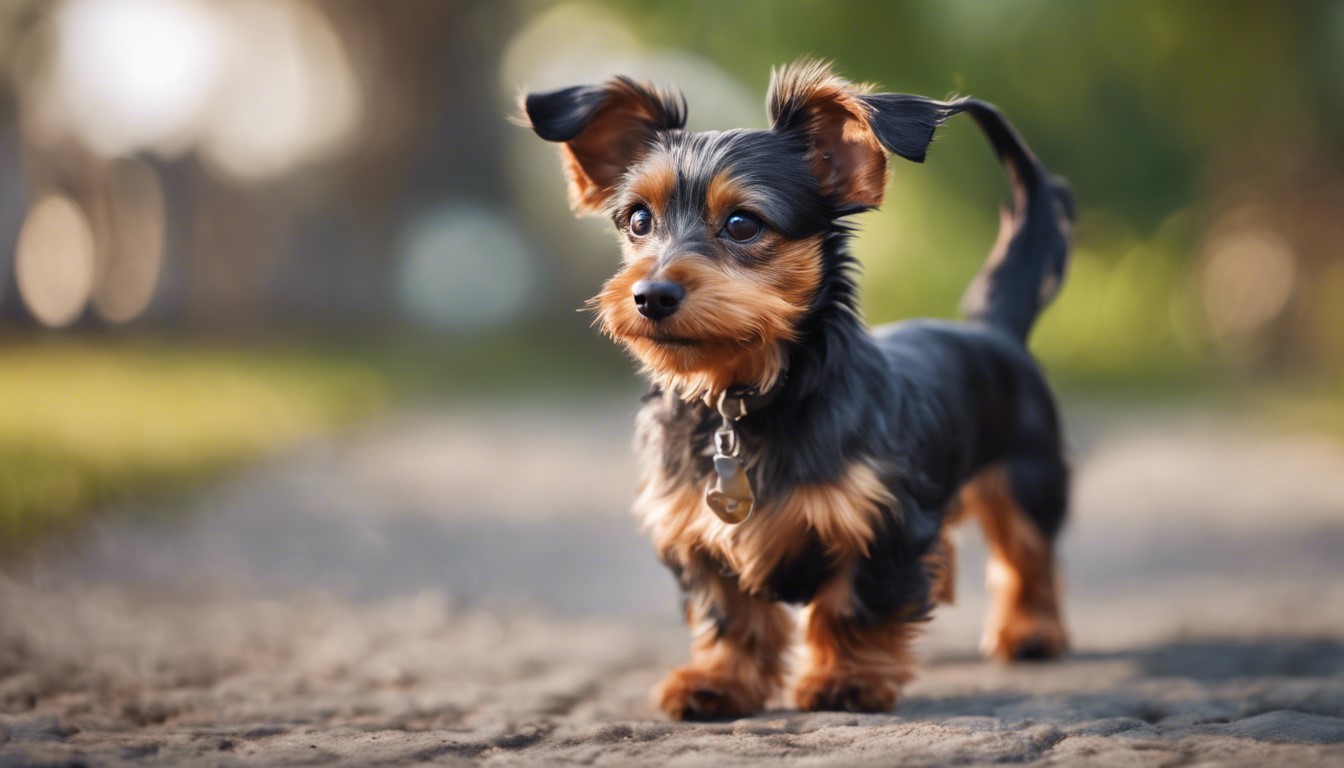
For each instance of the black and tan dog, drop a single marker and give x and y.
(791, 455)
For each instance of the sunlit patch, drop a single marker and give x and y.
(258, 87)
(54, 261)
(135, 73)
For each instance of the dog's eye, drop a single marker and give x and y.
(641, 221)
(742, 226)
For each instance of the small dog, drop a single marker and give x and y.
(790, 455)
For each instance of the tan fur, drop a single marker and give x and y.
(840, 515)
(846, 157)
(1021, 572)
(732, 672)
(736, 318)
(724, 196)
(654, 182)
(615, 137)
(849, 666)
(741, 669)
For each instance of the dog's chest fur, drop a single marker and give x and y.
(802, 534)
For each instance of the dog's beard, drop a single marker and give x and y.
(696, 359)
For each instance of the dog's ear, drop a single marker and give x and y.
(848, 128)
(604, 129)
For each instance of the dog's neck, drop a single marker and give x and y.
(760, 369)
(746, 399)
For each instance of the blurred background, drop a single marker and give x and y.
(226, 225)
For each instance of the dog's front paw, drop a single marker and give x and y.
(689, 693)
(846, 693)
(1026, 637)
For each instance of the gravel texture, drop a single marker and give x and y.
(467, 588)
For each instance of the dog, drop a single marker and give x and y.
(790, 455)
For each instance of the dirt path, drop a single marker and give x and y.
(403, 595)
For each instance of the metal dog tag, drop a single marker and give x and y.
(729, 493)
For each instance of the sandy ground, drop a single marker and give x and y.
(463, 588)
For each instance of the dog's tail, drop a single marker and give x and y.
(1027, 264)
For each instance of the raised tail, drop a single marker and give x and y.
(1026, 266)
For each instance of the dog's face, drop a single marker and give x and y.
(723, 233)
(721, 239)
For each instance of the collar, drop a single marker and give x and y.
(739, 400)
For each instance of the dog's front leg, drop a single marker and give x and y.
(852, 665)
(737, 646)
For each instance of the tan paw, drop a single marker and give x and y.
(689, 693)
(846, 693)
(1026, 637)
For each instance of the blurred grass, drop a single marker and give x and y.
(92, 421)
(89, 421)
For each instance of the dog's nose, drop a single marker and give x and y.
(656, 299)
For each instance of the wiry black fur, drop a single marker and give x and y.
(929, 403)
(1024, 272)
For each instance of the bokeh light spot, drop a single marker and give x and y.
(130, 242)
(54, 261)
(463, 267)
(134, 73)
(288, 95)
(1248, 278)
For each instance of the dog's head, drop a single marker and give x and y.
(723, 232)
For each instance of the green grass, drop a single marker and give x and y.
(88, 421)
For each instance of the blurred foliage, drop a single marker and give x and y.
(1173, 122)
(430, 252)
(92, 422)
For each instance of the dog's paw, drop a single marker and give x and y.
(1026, 637)
(846, 693)
(689, 693)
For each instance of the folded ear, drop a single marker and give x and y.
(850, 129)
(604, 130)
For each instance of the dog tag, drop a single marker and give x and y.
(729, 493)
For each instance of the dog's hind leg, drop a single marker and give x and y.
(737, 647)
(1020, 503)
